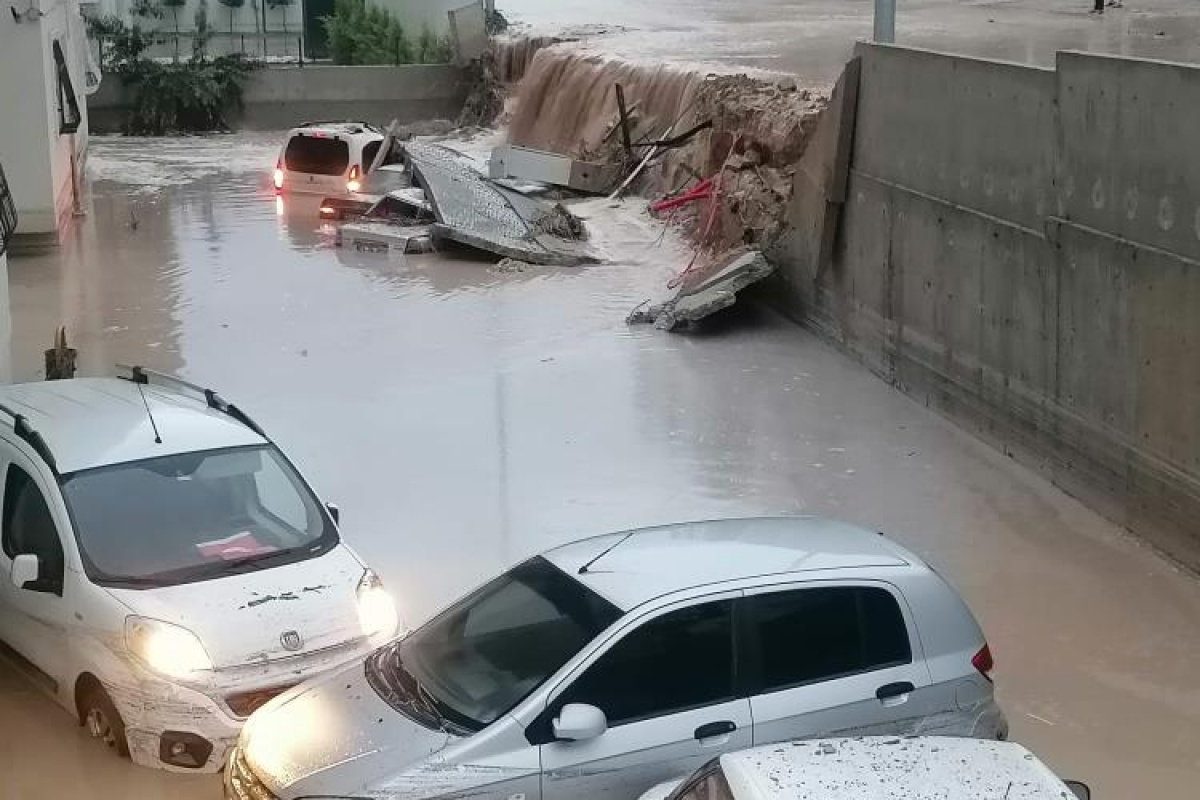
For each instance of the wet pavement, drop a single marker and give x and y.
(465, 419)
(813, 38)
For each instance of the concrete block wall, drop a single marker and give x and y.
(277, 98)
(1019, 248)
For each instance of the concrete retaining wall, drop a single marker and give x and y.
(282, 97)
(1019, 248)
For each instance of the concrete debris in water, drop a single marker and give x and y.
(701, 299)
(474, 211)
(553, 168)
(510, 266)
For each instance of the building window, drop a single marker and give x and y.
(8, 212)
(68, 107)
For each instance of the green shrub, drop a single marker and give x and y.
(432, 50)
(190, 96)
(186, 97)
(367, 35)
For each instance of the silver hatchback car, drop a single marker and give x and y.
(604, 667)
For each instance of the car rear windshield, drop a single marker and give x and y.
(316, 155)
(196, 516)
(479, 658)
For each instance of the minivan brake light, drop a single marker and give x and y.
(983, 662)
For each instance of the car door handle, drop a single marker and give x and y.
(894, 690)
(714, 729)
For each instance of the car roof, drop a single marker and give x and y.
(644, 564)
(883, 768)
(96, 422)
(345, 128)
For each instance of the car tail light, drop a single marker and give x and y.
(984, 662)
(328, 212)
(353, 184)
(278, 175)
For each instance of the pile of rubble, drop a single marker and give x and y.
(717, 154)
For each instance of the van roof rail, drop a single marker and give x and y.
(26, 432)
(148, 377)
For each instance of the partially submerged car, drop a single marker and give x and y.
(165, 569)
(875, 768)
(376, 185)
(606, 666)
(398, 223)
(327, 158)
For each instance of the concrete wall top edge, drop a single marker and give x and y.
(1069, 55)
(862, 47)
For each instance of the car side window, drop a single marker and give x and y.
(813, 635)
(28, 527)
(677, 662)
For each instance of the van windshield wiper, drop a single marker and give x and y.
(261, 559)
(134, 582)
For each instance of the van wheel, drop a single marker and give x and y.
(102, 720)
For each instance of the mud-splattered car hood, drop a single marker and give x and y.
(241, 619)
(335, 736)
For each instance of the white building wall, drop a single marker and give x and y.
(37, 159)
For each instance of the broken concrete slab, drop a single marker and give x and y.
(474, 211)
(707, 295)
(509, 161)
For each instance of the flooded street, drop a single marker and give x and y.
(464, 419)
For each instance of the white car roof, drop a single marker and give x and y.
(340, 128)
(653, 562)
(96, 422)
(882, 768)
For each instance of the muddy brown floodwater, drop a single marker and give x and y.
(465, 419)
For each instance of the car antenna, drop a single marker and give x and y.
(584, 569)
(146, 403)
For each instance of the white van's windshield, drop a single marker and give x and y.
(193, 517)
(478, 659)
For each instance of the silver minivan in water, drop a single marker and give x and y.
(606, 666)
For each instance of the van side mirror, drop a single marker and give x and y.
(1081, 790)
(25, 571)
(334, 512)
(578, 722)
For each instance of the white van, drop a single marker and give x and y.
(165, 570)
(327, 158)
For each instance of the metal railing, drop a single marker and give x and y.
(274, 46)
(8, 212)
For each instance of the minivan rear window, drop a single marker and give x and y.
(314, 155)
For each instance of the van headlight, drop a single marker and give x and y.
(376, 609)
(167, 649)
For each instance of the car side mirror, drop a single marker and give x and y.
(334, 512)
(25, 570)
(1081, 790)
(578, 722)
